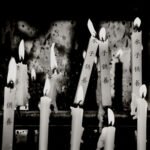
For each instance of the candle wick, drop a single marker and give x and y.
(10, 84)
(55, 71)
(103, 40)
(136, 28)
(143, 96)
(111, 124)
(45, 92)
(21, 60)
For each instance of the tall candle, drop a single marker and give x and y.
(54, 77)
(107, 137)
(44, 117)
(105, 70)
(22, 79)
(76, 128)
(136, 39)
(9, 106)
(88, 62)
(142, 119)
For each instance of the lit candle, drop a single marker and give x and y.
(136, 39)
(142, 119)
(54, 77)
(107, 137)
(89, 58)
(77, 117)
(105, 70)
(118, 82)
(22, 79)
(9, 106)
(44, 117)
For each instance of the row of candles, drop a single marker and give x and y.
(15, 93)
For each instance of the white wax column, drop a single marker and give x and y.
(110, 138)
(22, 85)
(44, 122)
(87, 67)
(8, 119)
(107, 138)
(9, 106)
(136, 39)
(77, 129)
(89, 58)
(53, 92)
(105, 71)
(141, 123)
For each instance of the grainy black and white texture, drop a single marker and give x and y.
(71, 36)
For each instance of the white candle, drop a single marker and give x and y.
(88, 62)
(9, 106)
(76, 128)
(136, 39)
(105, 70)
(54, 77)
(22, 79)
(142, 119)
(44, 117)
(107, 137)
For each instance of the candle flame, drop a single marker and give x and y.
(119, 53)
(12, 69)
(143, 91)
(53, 62)
(21, 50)
(102, 34)
(111, 117)
(33, 74)
(46, 86)
(84, 54)
(80, 94)
(137, 22)
(91, 28)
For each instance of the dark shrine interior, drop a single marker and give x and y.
(60, 123)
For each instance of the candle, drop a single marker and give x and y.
(22, 79)
(118, 82)
(54, 77)
(136, 39)
(88, 62)
(141, 119)
(44, 117)
(105, 70)
(107, 137)
(77, 117)
(9, 106)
